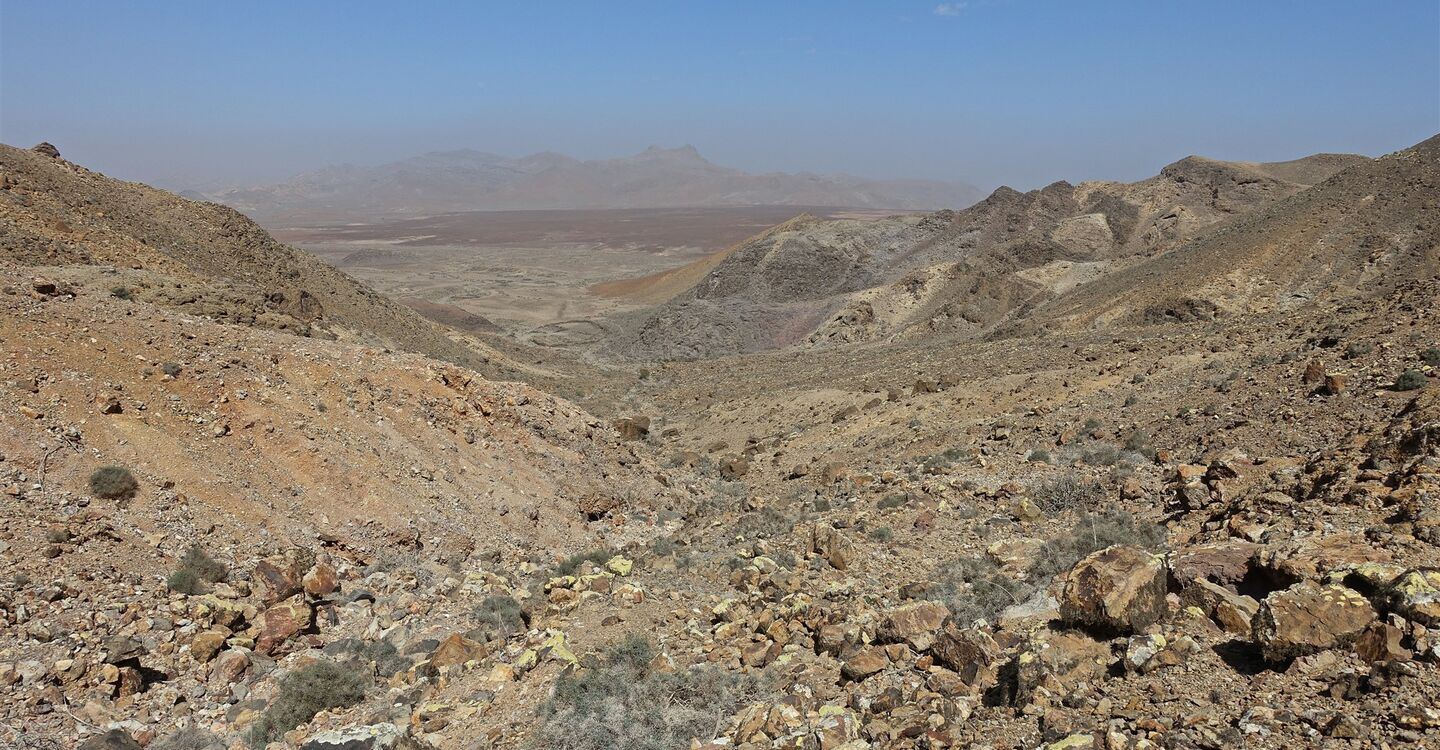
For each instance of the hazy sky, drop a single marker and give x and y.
(1020, 92)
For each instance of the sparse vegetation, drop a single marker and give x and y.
(500, 614)
(1357, 350)
(120, 292)
(1065, 493)
(893, 500)
(766, 523)
(1431, 356)
(883, 534)
(113, 483)
(171, 368)
(940, 462)
(622, 703)
(1040, 456)
(571, 564)
(185, 581)
(1093, 532)
(196, 571)
(1410, 380)
(304, 693)
(975, 588)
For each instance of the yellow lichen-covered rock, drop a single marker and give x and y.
(620, 565)
(1415, 594)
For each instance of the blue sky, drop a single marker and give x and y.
(1020, 92)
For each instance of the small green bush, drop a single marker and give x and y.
(113, 483)
(120, 292)
(884, 534)
(896, 500)
(622, 703)
(1431, 356)
(185, 581)
(305, 692)
(1410, 380)
(1040, 456)
(171, 368)
(569, 565)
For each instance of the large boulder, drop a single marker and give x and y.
(1308, 617)
(1119, 589)
(914, 624)
(632, 428)
(827, 542)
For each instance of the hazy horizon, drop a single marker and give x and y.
(1020, 93)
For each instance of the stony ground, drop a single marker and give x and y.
(1172, 534)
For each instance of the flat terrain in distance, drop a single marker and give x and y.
(527, 269)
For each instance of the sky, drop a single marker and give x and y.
(1017, 92)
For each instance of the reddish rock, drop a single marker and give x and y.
(282, 622)
(864, 661)
(283, 583)
(971, 653)
(733, 468)
(457, 649)
(1381, 642)
(321, 580)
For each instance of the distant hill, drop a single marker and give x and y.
(655, 178)
(818, 283)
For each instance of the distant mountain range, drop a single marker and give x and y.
(448, 181)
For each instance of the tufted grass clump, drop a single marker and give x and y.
(1069, 492)
(1093, 532)
(197, 570)
(113, 483)
(1410, 380)
(975, 588)
(501, 615)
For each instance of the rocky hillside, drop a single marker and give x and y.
(827, 282)
(655, 178)
(1126, 532)
(199, 258)
(1357, 234)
